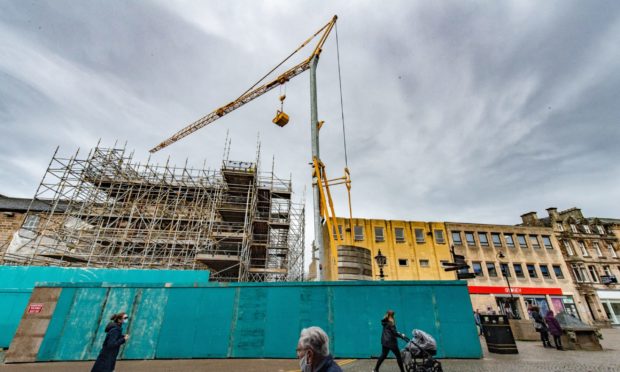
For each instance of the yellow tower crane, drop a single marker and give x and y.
(323, 203)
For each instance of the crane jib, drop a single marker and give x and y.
(218, 113)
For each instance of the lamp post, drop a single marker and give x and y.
(500, 257)
(381, 261)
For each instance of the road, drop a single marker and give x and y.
(532, 357)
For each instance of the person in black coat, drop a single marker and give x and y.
(389, 341)
(540, 326)
(106, 361)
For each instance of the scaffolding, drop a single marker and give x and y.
(106, 210)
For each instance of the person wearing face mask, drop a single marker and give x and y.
(106, 361)
(313, 351)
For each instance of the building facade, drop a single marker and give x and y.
(15, 219)
(414, 250)
(515, 267)
(590, 248)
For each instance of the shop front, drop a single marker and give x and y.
(611, 304)
(519, 299)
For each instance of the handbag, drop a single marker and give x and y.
(538, 326)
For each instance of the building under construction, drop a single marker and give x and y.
(107, 210)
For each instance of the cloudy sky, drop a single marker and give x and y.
(455, 110)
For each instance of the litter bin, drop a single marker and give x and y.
(498, 334)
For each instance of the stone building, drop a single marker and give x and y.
(13, 215)
(590, 249)
(515, 267)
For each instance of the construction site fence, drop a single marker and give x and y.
(242, 320)
(17, 283)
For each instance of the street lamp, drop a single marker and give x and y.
(505, 272)
(381, 261)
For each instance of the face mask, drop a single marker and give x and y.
(125, 320)
(303, 364)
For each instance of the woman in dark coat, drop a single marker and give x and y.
(389, 341)
(106, 361)
(555, 329)
(541, 327)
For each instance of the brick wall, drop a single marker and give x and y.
(10, 222)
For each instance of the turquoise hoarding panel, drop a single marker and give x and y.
(213, 323)
(82, 323)
(17, 282)
(264, 320)
(179, 327)
(146, 320)
(282, 329)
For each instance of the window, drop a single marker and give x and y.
(484, 239)
(518, 270)
(559, 227)
(607, 270)
(547, 242)
(338, 235)
(580, 273)
(358, 232)
(31, 222)
(419, 235)
(568, 247)
(573, 228)
(612, 251)
(403, 262)
(586, 228)
(456, 238)
(600, 229)
(469, 236)
(379, 234)
(509, 242)
(557, 269)
(491, 269)
(597, 248)
(439, 237)
(399, 234)
(477, 267)
(534, 241)
(504, 269)
(593, 273)
(521, 240)
(544, 271)
(584, 251)
(424, 263)
(496, 240)
(531, 270)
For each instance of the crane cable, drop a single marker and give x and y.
(344, 133)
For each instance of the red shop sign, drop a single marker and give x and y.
(515, 290)
(35, 308)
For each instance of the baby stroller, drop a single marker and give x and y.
(418, 353)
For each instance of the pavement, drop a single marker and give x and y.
(532, 357)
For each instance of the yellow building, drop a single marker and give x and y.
(414, 250)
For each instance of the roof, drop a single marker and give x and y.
(9, 204)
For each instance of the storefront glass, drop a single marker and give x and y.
(541, 302)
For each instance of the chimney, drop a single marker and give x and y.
(553, 213)
(529, 218)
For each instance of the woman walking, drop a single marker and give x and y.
(389, 341)
(540, 326)
(555, 329)
(106, 361)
